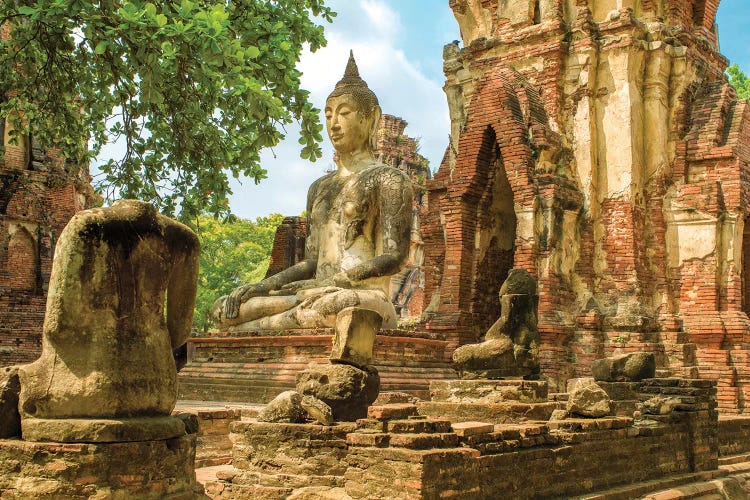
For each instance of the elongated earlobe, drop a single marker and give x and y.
(376, 114)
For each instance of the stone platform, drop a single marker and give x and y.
(257, 366)
(398, 452)
(144, 470)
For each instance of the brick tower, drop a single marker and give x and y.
(39, 193)
(598, 145)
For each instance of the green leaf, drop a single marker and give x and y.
(252, 52)
(161, 20)
(25, 10)
(101, 47)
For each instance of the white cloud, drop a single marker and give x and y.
(371, 29)
(383, 18)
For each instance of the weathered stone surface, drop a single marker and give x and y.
(355, 336)
(346, 389)
(81, 430)
(510, 348)
(107, 344)
(559, 415)
(497, 413)
(587, 399)
(299, 455)
(466, 429)
(317, 409)
(385, 398)
(359, 226)
(144, 470)
(631, 367)
(660, 405)
(488, 391)
(190, 420)
(286, 407)
(319, 493)
(394, 411)
(10, 419)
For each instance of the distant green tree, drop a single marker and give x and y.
(233, 252)
(739, 81)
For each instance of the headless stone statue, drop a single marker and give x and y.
(510, 348)
(359, 224)
(107, 343)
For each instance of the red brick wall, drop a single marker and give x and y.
(37, 199)
(624, 293)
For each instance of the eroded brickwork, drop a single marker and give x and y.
(39, 193)
(608, 144)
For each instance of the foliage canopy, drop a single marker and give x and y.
(233, 252)
(739, 81)
(195, 89)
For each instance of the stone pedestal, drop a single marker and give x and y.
(101, 430)
(144, 469)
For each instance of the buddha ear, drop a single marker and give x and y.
(376, 114)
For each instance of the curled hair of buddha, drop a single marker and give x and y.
(355, 86)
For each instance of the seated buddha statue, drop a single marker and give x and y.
(358, 221)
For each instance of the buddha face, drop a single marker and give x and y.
(347, 125)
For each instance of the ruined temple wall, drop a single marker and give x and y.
(39, 193)
(629, 184)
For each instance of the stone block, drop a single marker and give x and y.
(588, 399)
(631, 367)
(286, 407)
(498, 413)
(391, 412)
(354, 336)
(82, 430)
(317, 410)
(348, 390)
(488, 391)
(466, 429)
(10, 419)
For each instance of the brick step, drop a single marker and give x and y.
(734, 459)
(646, 489)
(409, 441)
(261, 382)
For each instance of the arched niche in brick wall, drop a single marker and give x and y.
(22, 260)
(490, 192)
(495, 232)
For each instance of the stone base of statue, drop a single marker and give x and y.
(101, 430)
(143, 469)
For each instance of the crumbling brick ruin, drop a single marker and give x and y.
(598, 145)
(39, 193)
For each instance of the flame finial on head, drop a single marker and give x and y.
(355, 86)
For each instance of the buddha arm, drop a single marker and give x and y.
(395, 202)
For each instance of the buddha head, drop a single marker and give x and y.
(352, 113)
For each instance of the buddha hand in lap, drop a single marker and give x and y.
(359, 224)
